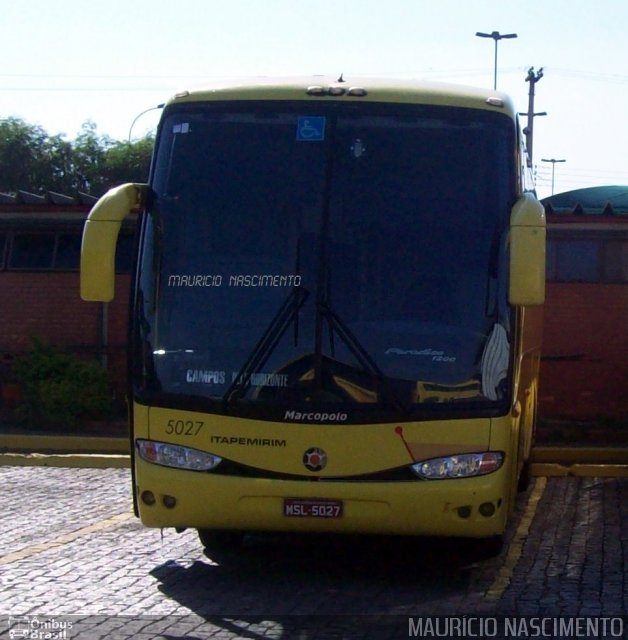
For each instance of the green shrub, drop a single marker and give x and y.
(59, 390)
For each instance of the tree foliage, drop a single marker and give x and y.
(59, 389)
(32, 160)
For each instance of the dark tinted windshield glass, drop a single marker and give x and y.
(341, 257)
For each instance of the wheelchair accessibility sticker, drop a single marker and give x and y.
(311, 128)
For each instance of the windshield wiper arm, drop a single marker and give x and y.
(384, 392)
(348, 337)
(288, 311)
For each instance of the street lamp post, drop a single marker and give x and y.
(553, 161)
(495, 35)
(532, 78)
(139, 115)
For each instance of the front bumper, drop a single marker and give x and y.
(469, 507)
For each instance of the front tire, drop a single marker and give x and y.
(525, 478)
(220, 540)
(491, 547)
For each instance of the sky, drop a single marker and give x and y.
(68, 62)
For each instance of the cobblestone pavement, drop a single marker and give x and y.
(71, 552)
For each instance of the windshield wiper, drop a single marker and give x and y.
(385, 393)
(288, 312)
(345, 334)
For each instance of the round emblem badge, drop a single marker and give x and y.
(314, 459)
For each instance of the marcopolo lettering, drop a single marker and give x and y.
(313, 416)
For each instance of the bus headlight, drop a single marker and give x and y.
(174, 455)
(464, 465)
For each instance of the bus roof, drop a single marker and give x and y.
(355, 89)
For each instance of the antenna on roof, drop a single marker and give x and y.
(341, 79)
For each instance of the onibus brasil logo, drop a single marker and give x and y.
(34, 628)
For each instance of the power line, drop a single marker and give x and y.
(584, 174)
(87, 89)
(593, 75)
(177, 79)
(100, 76)
(590, 75)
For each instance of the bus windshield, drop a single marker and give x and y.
(305, 254)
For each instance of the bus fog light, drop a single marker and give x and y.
(176, 456)
(487, 509)
(170, 502)
(464, 512)
(148, 497)
(465, 465)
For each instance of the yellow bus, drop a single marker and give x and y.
(335, 319)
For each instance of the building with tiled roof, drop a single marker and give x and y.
(40, 245)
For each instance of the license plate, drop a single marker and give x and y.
(312, 508)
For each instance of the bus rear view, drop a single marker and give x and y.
(335, 317)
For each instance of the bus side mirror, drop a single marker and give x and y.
(527, 252)
(100, 235)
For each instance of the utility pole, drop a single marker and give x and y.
(532, 78)
(553, 161)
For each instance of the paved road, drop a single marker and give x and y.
(72, 553)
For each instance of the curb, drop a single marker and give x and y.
(581, 470)
(580, 455)
(121, 461)
(103, 452)
(14, 442)
(72, 460)
(580, 461)
(42, 450)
